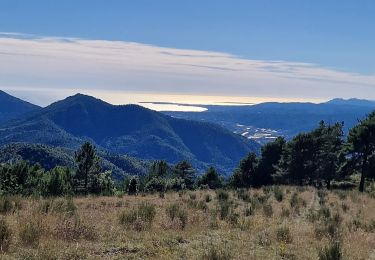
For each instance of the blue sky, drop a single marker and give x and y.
(335, 35)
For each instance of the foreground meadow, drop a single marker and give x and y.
(269, 223)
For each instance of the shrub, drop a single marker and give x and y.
(249, 211)
(30, 231)
(267, 210)
(342, 194)
(146, 212)
(294, 200)
(216, 252)
(345, 207)
(192, 196)
(5, 204)
(283, 234)
(138, 218)
(72, 229)
(330, 227)
(322, 194)
(202, 206)
(183, 217)
(278, 193)
(324, 212)
(172, 211)
(331, 252)
(371, 226)
(224, 209)
(243, 194)
(233, 218)
(264, 238)
(127, 217)
(207, 198)
(222, 195)
(5, 235)
(267, 190)
(285, 213)
(61, 206)
(175, 211)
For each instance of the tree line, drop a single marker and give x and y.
(314, 158)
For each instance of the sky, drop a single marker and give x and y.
(188, 51)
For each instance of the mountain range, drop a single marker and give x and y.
(128, 129)
(128, 137)
(266, 121)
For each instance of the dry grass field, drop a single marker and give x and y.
(270, 223)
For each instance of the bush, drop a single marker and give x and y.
(202, 206)
(60, 206)
(285, 213)
(172, 211)
(5, 235)
(278, 193)
(30, 231)
(216, 252)
(332, 252)
(329, 227)
(264, 238)
(207, 198)
(224, 209)
(183, 217)
(146, 212)
(267, 210)
(324, 212)
(283, 234)
(233, 218)
(72, 229)
(127, 218)
(138, 218)
(175, 211)
(5, 204)
(249, 211)
(192, 196)
(294, 200)
(345, 207)
(322, 194)
(243, 194)
(222, 195)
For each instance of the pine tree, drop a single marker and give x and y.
(361, 146)
(88, 166)
(185, 171)
(133, 186)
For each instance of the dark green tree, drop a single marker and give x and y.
(159, 169)
(297, 164)
(157, 176)
(330, 157)
(245, 175)
(88, 167)
(105, 184)
(133, 186)
(211, 178)
(270, 157)
(185, 171)
(361, 146)
(59, 182)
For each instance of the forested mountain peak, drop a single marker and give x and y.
(129, 129)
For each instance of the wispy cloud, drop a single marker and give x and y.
(32, 62)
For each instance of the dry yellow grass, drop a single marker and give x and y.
(94, 231)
